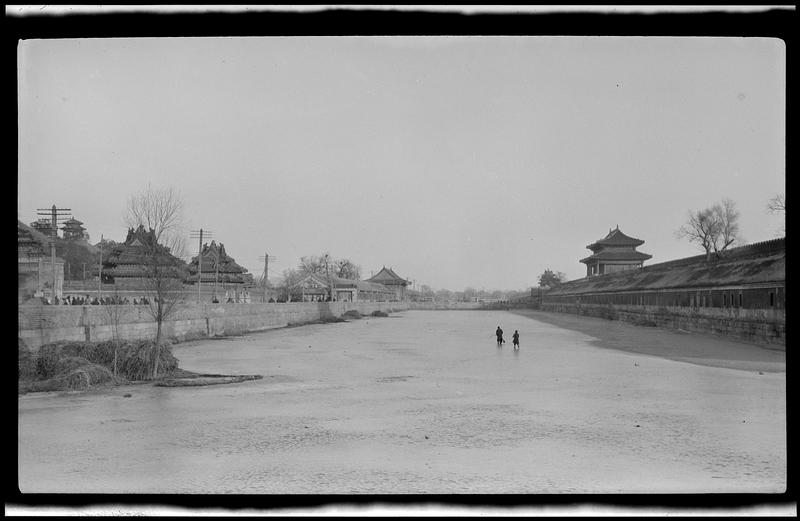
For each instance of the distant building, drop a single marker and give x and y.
(615, 252)
(317, 288)
(131, 264)
(217, 267)
(392, 280)
(43, 226)
(35, 265)
(73, 229)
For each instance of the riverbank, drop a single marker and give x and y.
(75, 367)
(682, 346)
(422, 403)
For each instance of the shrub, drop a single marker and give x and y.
(353, 313)
(26, 363)
(379, 313)
(136, 360)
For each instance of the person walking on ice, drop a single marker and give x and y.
(499, 334)
(516, 339)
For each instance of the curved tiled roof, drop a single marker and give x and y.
(615, 238)
(387, 276)
(211, 254)
(342, 283)
(634, 256)
(755, 264)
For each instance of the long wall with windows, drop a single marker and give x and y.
(742, 294)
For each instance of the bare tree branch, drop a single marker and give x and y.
(715, 229)
(777, 204)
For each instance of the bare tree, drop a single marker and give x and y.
(160, 210)
(727, 217)
(156, 215)
(715, 228)
(114, 311)
(346, 269)
(313, 264)
(777, 205)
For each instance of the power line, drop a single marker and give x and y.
(55, 215)
(198, 234)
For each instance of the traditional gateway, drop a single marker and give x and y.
(741, 293)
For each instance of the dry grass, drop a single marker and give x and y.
(68, 366)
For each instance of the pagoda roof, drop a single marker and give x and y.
(213, 253)
(615, 238)
(387, 276)
(134, 250)
(759, 263)
(635, 256)
(72, 221)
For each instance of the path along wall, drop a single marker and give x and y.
(41, 324)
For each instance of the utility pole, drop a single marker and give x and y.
(199, 235)
(55, 214)
(264, 282)
(216, 272)
(100, 270)
(328, 274)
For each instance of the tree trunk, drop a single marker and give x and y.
(156, 349)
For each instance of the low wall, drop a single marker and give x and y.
(761, 326)
(41, 324)
(443, 305)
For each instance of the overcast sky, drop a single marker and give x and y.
(457, 161)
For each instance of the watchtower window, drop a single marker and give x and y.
(740, 299)
(771, 299)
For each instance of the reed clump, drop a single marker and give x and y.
(66, 366)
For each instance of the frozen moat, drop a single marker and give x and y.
(423, 402)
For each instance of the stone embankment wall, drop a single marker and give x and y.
(761, 326)
(39, 325)
(443, 305)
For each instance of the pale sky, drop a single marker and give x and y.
(456, 161)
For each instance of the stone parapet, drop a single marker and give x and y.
(41, 324)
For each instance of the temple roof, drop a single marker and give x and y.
(635, 256)
(72, 222)
(758, 263)
(615, 238)
(212, 253)
(134, 251)
(321, 281)
(387, 276)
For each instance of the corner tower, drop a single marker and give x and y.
(615, 252)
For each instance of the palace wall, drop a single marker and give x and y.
(761, 326)
(742, 295)
(41, 324)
